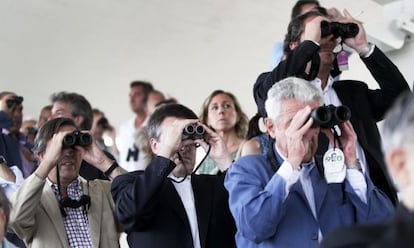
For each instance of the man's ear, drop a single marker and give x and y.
(270, 127)
(396, 163)
(153, 144)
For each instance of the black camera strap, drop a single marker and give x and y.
(204, 158)
(66, 202)
(336, 139)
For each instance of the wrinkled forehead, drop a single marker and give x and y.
(168, 121)
(312, 17)
(68, 128)
(289, 107)
(61, 106)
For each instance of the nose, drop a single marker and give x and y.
(70, 151)
(221, 109)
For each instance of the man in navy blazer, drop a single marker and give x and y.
(289, 198)
(167, 205)
(303, 44)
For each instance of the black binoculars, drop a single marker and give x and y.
(193, 131)
(16, 100)
(337, 29)
(77, 138)
(328, 116)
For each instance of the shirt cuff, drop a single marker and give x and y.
(357, 180)
(367, 51)
(290, 175)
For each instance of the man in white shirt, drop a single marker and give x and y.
(130, 156)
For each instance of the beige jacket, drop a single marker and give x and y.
(36, 218)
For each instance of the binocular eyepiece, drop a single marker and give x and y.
(337, 29)
(77, 138)
(329, 116)
(193, 131)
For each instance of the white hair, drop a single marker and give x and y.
(290, 88)
(398, 125)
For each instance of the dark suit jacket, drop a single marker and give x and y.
(396, 232)
(153, 215)
(367, 106)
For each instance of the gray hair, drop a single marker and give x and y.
(290, 88)
(398, 125)
(79, 106)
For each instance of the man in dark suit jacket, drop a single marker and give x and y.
(311, 56)
(167, 205)
(398, 147)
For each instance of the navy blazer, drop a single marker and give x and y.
(368, 106)
(395, 232)
(153, 214)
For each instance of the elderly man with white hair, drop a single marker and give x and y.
(292, 198)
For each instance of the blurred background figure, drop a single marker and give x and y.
(44, 116)
(29, 129)
(221, 111)
(155, 99)
(130, 157)
(103, 132)
(17, 149)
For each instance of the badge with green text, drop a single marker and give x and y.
(334, 165)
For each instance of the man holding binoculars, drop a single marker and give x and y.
(54, 206)
(312, 49)
(167, 205)
(291, 197)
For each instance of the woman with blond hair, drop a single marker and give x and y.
(221, 111)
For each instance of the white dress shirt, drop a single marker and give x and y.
(185, 191)
(330, 97)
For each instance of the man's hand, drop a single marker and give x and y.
(313, 29)
(95, 156)
(218, 152)
(5, 172)
(359, 42)
(52, 155)
(348, 140)
(170, 140)
(297, 142)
